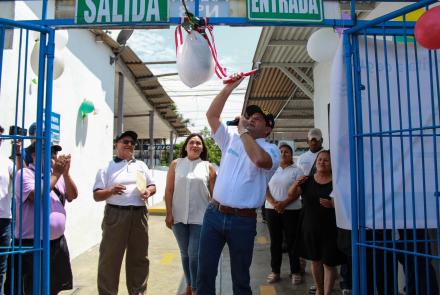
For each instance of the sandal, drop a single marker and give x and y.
(297, 279)
(312, 289)
(273, 278)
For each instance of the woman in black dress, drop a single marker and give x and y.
(318, 225)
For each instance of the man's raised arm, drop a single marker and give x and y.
(217, 105)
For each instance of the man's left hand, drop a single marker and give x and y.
(145, 194)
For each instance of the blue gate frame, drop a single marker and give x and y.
(41, 247)
(393, 120)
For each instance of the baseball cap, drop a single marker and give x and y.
(33, 128)
(314, 133)
(31, 149)
(252, 109)
(129, 133)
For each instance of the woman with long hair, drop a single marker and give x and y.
(318, 231)
(189, 186)
(282, 215)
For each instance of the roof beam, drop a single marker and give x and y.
(303, 75)
(286, 64)
(146, 79)
(283, 98)
(134, 115)
(297, 82)
(287, 43)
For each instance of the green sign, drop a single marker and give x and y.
(304, 11)
(120, 11)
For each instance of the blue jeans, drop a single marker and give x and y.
(188, 238)
(217, 230)
(5, 241)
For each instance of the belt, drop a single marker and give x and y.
(129, 207)
(244, 212)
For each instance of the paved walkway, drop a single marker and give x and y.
(166, 276)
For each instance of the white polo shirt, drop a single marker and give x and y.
(6, 173)
(126, 173)
(241, 184)
(279, 186)
(306, 160)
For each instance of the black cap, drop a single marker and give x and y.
(252, 109)
(54, 148)
(129, 133)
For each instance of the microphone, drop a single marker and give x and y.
(233, 122)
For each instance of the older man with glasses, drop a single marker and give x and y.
(124, 184)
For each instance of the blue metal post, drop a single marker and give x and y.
(2, 45)
(38, 166)
(47, 157)
(353, 181)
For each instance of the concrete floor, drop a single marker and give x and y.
(166, 275)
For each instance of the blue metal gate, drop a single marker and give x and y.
(40, 249)
(393, 94)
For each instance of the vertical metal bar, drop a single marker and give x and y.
(408, 89)
(2, 46)
(363, 205)
(402, 149)
(47, 158)
(353, 180)
(120, 126)
(391, 155)
(151, 133)
(38, 167)
(44, 10)
(435, 136)
(359, 141)
(422, 139)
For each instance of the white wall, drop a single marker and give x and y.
(87, 74)
(321, 98)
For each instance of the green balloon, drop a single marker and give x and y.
(86, 107)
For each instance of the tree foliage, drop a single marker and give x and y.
(214, 153)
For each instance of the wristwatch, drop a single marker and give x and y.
(242, 131)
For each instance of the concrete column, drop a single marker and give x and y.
(171, 153)
(120, 126)
(151, 139)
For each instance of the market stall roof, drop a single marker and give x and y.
(285, 84)
(142, 93)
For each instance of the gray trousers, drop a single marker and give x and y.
(123, 229)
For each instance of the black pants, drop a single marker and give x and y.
(421, 277)
(344, 245)
(278, 224)
(60, 269)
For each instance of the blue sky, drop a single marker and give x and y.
(235, 48)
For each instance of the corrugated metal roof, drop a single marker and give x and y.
(146, 85)
(285, 84)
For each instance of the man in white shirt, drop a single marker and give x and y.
(124, 184)
(248, 162)
(306, 160)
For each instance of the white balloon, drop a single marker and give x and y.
(322, 44)
(58, 64)
(34, 35)
(61, 38)
(195, 64)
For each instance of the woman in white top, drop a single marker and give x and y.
(282, 215)
(190, 182)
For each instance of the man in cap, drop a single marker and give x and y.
(306, 160)
(248, 162)
(32, 132)
(124, 184)
(62, 188)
